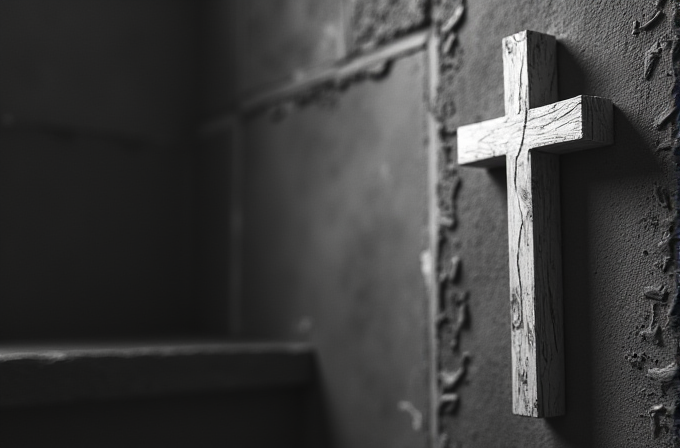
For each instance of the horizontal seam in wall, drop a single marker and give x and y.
(341, 70)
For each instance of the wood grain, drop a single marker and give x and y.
(530, 76)
(529, 139)
(529, 71)
(571, 125)
(535, 284)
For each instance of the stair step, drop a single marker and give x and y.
(36, 375)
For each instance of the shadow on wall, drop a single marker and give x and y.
(578, 239)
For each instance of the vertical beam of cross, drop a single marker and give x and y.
(528, 139)
(530, 75)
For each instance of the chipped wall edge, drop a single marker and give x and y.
(433, 149)
(674, 312)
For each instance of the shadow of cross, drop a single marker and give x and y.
(536, 128)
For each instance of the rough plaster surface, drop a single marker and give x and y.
(613, 230)
(335, 221)
(377, 21)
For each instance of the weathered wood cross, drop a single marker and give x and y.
(536, 128)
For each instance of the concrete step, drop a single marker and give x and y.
(36, 375)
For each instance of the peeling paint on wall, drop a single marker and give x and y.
(657, 293)
(652, 57)
(653, 331)
(674, 308)
(374, 22)
(646, 329)
(666, 117)
(454, 310)
(416, 415)
(656, 414)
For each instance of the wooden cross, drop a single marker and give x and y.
(536, 128)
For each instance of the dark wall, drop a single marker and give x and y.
(98, 101)
(250, 45)
(247, 419)
(247, 47)
(335, 220)
(335, 208)
(97, 177)
(612, 229)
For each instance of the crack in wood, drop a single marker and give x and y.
(535, 129)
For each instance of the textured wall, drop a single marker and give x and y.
(374, 22)
(613, 226)
(336, 195)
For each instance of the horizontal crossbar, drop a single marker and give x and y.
(575, 124)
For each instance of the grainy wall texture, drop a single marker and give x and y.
(617, 219)
(99, 104)
(378, 21)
